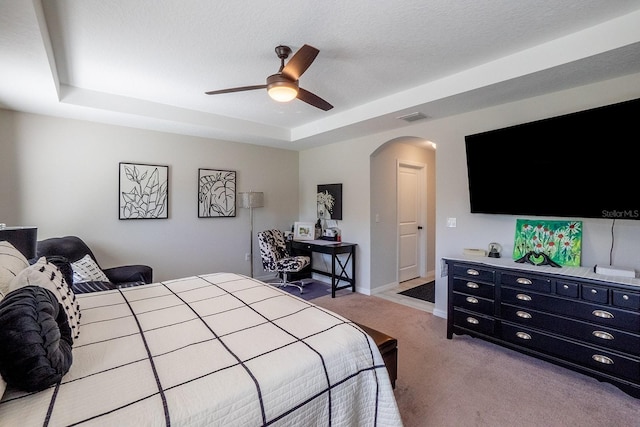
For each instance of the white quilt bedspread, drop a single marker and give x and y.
(212, 350)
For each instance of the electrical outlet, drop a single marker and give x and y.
(451, 222)
(247, 256)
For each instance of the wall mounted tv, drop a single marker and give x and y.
(582, 165)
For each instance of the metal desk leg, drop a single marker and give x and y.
(333, 275)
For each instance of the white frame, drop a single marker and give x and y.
(304, 230)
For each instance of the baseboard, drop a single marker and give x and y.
(321, 278)
(440, 313)
(384, 288)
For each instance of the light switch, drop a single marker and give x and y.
(451, 222)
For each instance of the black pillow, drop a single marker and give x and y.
(35, 339)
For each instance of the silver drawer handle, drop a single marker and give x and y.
(565, 286)
(472, 300)
(523, 335)
(523, 281)
(523, 297)
(472, 320)
(625, 297)
(603, 335)
(472, 272)
(603, 314)
(602, 359)
(523, 314)
(472, 285)
(593, 291)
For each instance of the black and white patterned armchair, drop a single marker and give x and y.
(275, 258)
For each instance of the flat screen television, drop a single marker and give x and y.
(581, 165)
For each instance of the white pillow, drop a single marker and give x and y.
(48, 275)
(12, 262)
(86, 270)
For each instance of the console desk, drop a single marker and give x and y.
(569, 316)
(334, 249)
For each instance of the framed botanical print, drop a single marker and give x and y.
(143, 191)
(216, 193)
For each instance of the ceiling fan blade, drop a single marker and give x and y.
(300, 61)
(236, 89)
(315, 100)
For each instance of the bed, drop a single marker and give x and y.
(214, 350)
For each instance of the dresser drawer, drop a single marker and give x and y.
(473, 321)
(568, 289)
(625, 299)
(583, 355)
(525, 281)
(577, 309)
(476, 288)
(608, 338)
(474, 273)
(595, 294)
(473, 303)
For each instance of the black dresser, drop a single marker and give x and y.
(580, 322)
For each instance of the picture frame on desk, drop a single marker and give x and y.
(303, 230)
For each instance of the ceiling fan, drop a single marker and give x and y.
(283, 86)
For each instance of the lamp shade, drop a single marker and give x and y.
(23, 239)
(251, 199)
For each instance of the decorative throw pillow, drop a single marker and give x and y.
(63, 265)
(35, 339)
(86, 270)
(47, 275)
(12, 262)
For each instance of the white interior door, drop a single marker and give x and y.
(409, 218)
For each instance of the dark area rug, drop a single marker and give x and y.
(426, 292)
(312, 289)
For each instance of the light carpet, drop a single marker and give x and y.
(469, 382)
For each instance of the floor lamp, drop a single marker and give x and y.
(250, 200)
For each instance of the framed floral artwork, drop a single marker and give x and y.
(216, 193)
(144, 191)
(329, 201)
(545, 242)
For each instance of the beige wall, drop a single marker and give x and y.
(62, 176)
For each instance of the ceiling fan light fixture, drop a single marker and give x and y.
(283, 93)
(281, 89)
(284, 85)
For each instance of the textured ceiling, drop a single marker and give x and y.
(147, 63)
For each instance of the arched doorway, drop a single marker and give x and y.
(385, 247)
